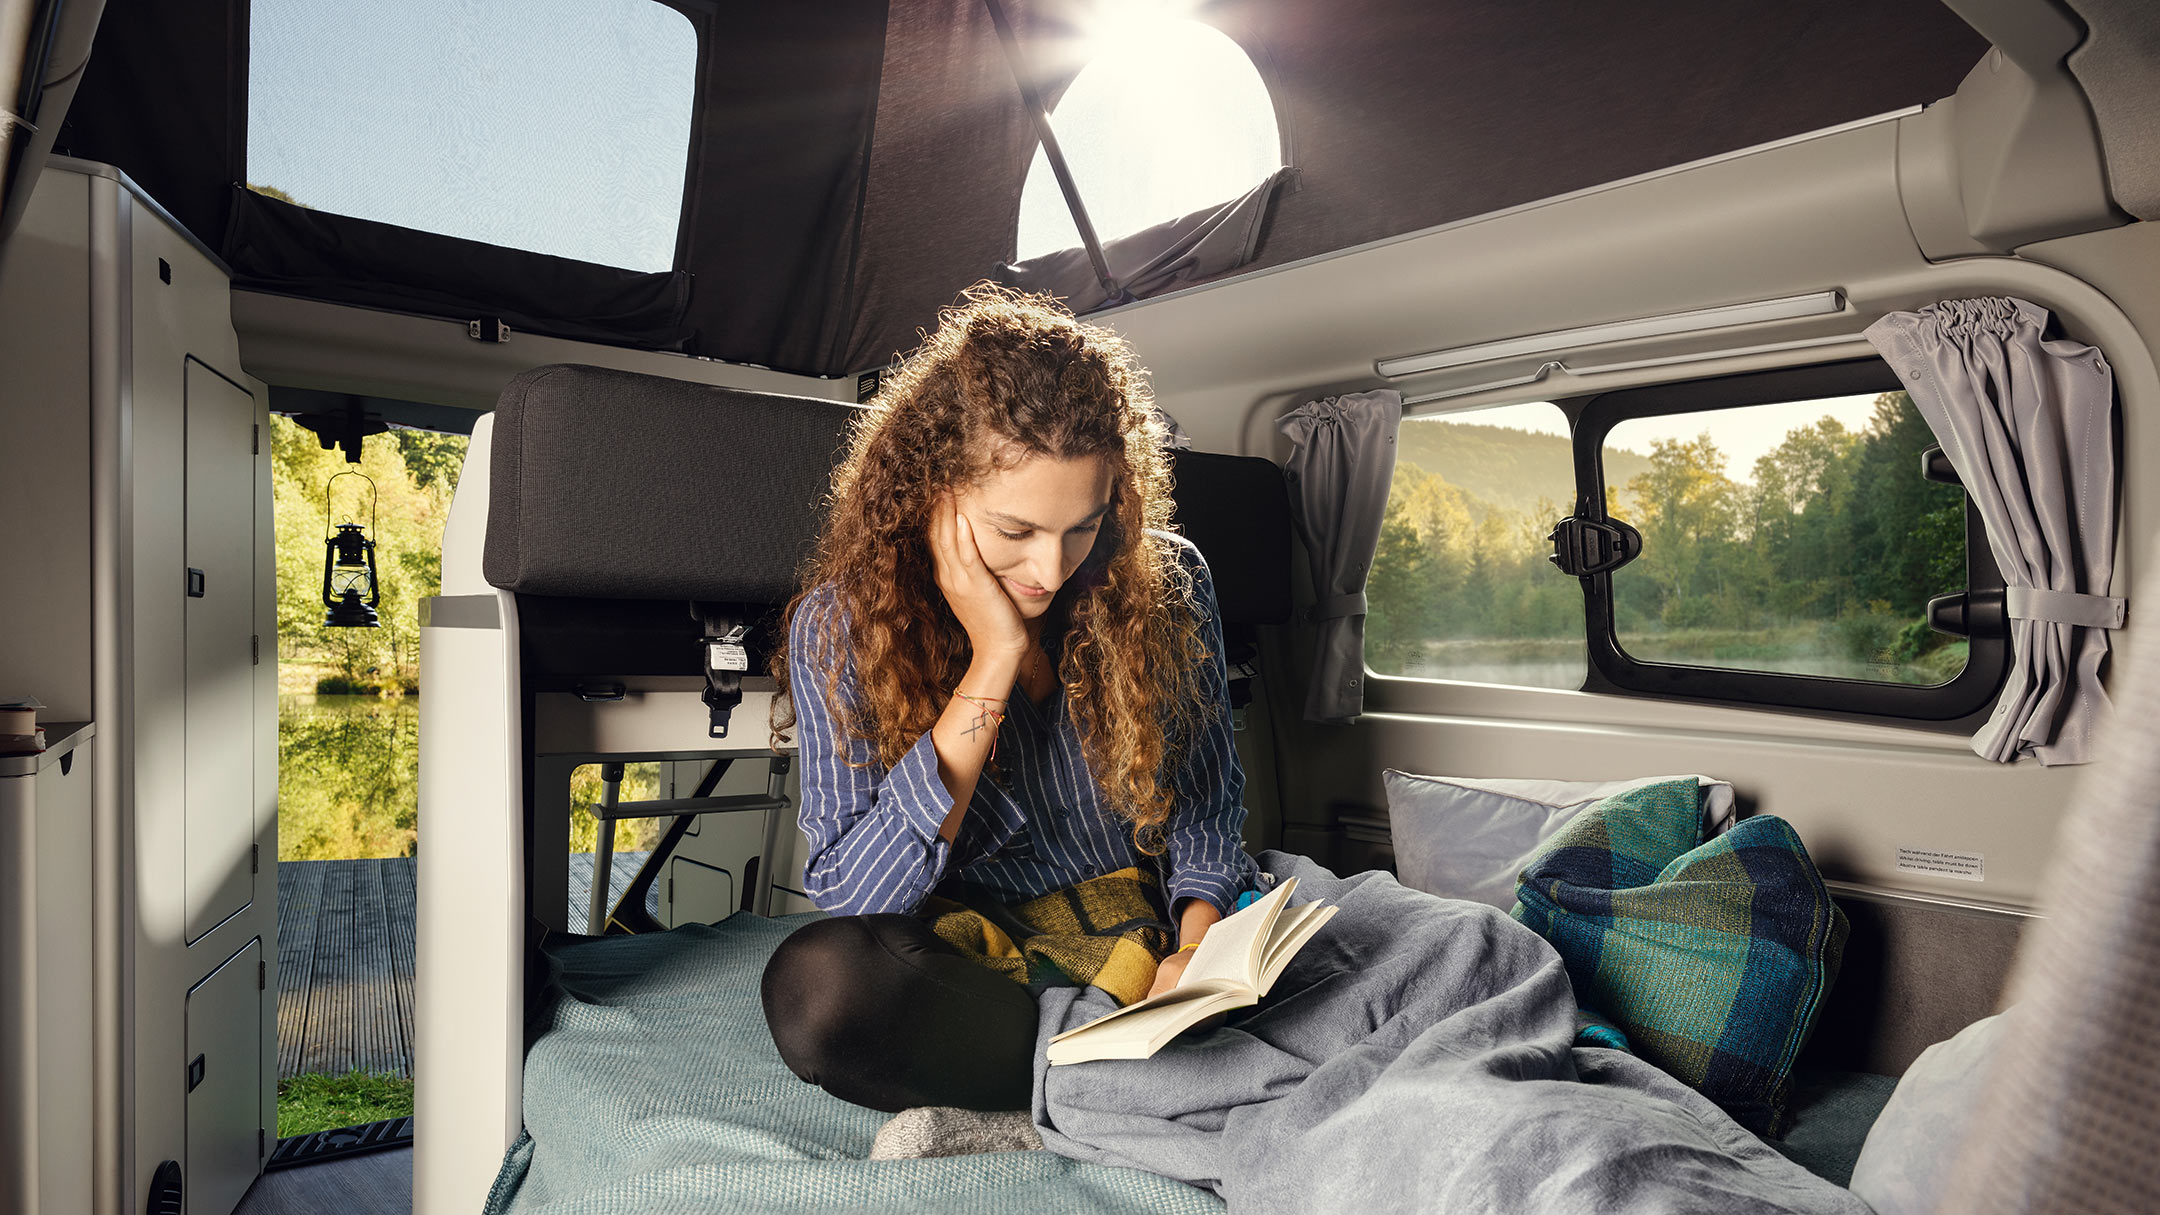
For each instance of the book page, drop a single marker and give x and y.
(1179, 996)
(1289, 937)
(1145, 1030)
(1286, 926)
(1232, 948)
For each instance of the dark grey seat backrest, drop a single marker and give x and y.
(614, 485)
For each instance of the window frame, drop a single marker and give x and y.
(701, 14)
(1052, 92)
(1612, 670)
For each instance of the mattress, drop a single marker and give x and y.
(651, 1084)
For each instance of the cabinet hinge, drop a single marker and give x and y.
(254, 858)
(262, 975)
(259, 1137)
(255, 442)
(255, 650)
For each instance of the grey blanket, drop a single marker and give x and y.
(1416, 1056)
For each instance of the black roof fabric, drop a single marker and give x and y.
(855, 163)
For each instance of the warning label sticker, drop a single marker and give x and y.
(1964, 866)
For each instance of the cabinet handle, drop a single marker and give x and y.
(194, 583)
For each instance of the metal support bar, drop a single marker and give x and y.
(674, 807)
(776, 790)
(1032, 98)
(603, 861)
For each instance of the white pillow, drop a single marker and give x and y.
(1905, 1165)
(1467, 838)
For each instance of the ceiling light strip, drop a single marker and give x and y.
(1701, 356)
(1705, 356)
(1819, 303)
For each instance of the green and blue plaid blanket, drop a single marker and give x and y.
(1713, 958)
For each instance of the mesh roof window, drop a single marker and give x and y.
(1168, 117)
(553, 126)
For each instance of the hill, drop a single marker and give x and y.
(1508, 469)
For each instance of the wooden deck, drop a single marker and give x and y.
(345, 960)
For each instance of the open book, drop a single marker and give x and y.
(1237, 962)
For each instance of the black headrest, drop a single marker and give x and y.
(614, 485)
(1236, 511)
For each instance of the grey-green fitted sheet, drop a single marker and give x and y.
(652, 1084)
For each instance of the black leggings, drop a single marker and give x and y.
(877, 1010)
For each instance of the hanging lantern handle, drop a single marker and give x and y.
(374, 502)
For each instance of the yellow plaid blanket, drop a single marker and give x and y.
(1107, 932)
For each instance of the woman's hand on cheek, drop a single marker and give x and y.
(976, 597)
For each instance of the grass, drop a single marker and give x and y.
(316, 1102)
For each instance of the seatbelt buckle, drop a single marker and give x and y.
(727, 651)
(727, 658)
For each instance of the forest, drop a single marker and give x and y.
(1820, 561)
(349, 699)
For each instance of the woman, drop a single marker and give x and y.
(1006, 683)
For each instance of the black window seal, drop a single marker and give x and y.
(1952, 705)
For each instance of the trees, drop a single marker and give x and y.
(414, 474)
(1822, 561)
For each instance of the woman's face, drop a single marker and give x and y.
(1036, 522)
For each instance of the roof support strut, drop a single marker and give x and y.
(1032, 98)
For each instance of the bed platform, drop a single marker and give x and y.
(652, 1082)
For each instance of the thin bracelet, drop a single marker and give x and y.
(1183, 948)
(996, 716)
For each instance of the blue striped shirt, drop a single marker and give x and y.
(873, 832)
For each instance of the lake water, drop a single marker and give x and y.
(348, 776)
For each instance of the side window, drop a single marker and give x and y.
(1791, 544)
(1795, 538)
(1790, 547)
(1460, 586)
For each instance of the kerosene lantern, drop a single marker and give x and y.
(349, 586)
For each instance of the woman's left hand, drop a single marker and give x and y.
(1169, 972)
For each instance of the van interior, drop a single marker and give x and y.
(1562, 394)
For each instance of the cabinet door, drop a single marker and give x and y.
(699, 893)
(220, 623)
(224, 1078)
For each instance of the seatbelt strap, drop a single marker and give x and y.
(726, 643)
(1242, 655)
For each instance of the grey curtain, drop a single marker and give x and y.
(1149, 262)
(2026, 421)
(2066, 1119)
(1342, 458)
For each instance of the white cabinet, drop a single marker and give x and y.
(219, 628)
(45, 976)
(224, 1076)
(137, 591)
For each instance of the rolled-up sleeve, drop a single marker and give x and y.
(872, 832)
(1207, 858)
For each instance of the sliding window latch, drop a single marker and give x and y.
(1583, 546)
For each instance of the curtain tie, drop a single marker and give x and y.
(1338, 605)
(2064, 607)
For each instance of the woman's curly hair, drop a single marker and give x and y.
(1007, 377)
